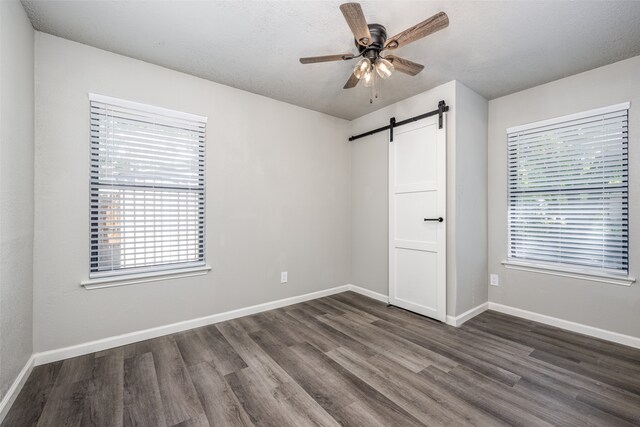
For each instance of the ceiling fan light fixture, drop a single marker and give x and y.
(368, 77)
(371, 41)
(384, 68)
(362, 67)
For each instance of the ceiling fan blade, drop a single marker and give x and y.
(326, 58)
(352, 82)
(355, 19)
(404, 65)
(436, 23)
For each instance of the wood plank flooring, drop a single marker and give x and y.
(343, 360)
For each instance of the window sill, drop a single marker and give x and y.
(569, 272)
(132, 279)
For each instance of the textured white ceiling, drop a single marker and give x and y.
(494, 47)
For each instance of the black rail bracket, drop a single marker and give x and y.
(392, 123)
(442, 108)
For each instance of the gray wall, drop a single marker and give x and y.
(471, 199)
(466, 194)
(606, 306)
(370, 189)
(278, 198)
(16, 191)
(369, 212)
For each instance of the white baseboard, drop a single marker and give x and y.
(568, 325)
(15, 388)
(116, 341)
(459, 320)
(129, 338)
(369, 293)
(451, 320)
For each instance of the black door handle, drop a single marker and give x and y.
(439, 219)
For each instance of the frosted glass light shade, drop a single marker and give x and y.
(384, 67)
(362, 67)
(368, 77)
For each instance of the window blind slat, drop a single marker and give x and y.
(543, 162)
(586, 140)
(147, 207)
(602, 131)
(573, 123)
(148, 140)
(567, 192)
(146, 117)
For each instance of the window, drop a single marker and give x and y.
(567, 190)
(147, 188)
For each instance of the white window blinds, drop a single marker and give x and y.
(147, 188)
(567, 193)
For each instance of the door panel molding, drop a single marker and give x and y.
(417, 268)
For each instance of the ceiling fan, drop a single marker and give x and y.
(371, 40)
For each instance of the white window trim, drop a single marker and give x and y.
(107, 279)
(564, 271)
(155, 276)
(576, 116)
(146, 107)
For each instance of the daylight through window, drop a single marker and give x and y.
(147, 188)
(568, 183)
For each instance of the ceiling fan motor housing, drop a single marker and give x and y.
(378, 38)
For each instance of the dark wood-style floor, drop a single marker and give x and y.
(348, 360)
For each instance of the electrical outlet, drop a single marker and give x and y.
(283, 277)
(494, 280)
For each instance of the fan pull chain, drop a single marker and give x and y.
(374, 86)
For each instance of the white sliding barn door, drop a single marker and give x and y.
(417, 191)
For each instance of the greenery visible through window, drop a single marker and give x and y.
(568, 191)
(147, 188)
